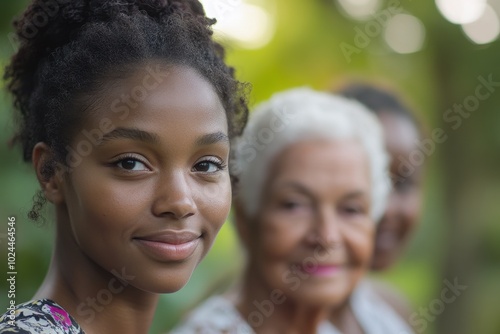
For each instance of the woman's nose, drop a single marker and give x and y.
(326, 230)
(174, 197)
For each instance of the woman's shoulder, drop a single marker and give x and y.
(216, 315)
(392, 297)
(38, 316)
(380, 309)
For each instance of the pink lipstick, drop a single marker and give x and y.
(321, 270)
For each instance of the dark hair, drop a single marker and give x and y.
(67, 47)
(379, 100)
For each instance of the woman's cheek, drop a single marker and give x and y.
(361, 243)
(214, 201)
(280, 236)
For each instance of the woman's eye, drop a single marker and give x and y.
(352, 210)
(208, 166)
(293, 205)
(290, 205)
(403, 186)
(131, 165)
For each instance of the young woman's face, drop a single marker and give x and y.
(149, 197)
(403, 206)
(312, 239)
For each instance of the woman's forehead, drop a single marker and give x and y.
(320, 163)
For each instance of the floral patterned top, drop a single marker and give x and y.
(41, 316)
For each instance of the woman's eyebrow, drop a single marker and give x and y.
(355, 194)
(212, 138)
(297, 187)
(130, 133)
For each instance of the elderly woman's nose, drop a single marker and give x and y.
(326, 228)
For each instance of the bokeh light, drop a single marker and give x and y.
(461, 11)
(246, 25)
(405, 33)
(359, 9)
(485, 29)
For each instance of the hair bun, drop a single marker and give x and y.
(53, 22)
(47, 25)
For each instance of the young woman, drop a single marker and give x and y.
(312, 181)
(126, 110)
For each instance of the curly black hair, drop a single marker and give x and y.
(67, 47)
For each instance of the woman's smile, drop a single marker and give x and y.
(169, 245)
(322, 270)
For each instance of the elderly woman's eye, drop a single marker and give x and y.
(289, 205)
(293, 205)
(351, 210)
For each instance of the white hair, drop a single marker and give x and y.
(303, 114)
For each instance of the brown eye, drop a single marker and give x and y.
(294, 206)
(351, 210)
(403, 186)
(290, 205)
(204, 167)
(208, 166)
(131, 164)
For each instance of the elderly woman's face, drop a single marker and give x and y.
(312, 238)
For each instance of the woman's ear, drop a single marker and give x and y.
(49, 176)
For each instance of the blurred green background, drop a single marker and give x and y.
(420, 49)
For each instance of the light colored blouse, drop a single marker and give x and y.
(218, 315)
(374, 315)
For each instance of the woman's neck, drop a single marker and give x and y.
(100, 301)
(270, 312)
(344, 318)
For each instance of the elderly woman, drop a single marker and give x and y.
(311, 183)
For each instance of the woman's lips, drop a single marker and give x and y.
(321, 270)
(167, 246)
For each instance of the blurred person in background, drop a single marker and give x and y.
(311, 183)
(402, 133)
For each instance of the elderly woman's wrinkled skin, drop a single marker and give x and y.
(312, 240)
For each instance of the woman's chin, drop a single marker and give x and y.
(165, 283)
(323, 299)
